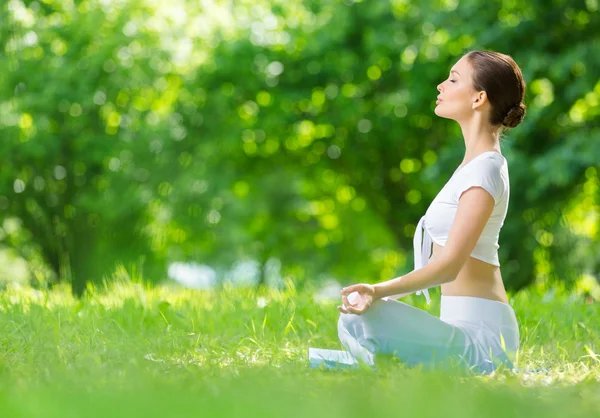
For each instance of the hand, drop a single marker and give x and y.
(361, 297)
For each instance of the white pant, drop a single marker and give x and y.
(478, 333)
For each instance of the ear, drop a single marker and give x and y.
(479, 99)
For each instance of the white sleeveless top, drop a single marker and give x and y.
(488, 170)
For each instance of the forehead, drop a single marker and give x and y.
(462, 66)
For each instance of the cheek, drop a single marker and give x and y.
(453, 91)
(459, 96)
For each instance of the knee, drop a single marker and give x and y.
(348, 324)
(372, 314)
(354, 325)
(363, 326)
(344, 321)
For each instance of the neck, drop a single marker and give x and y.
(479, 137)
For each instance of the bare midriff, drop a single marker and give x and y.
(476, 279)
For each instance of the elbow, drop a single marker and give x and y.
(450, 267)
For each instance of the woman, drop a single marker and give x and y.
(477, 327)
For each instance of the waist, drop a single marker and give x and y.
(473, 309)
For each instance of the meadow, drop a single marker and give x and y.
(127, 349)
(300, 137)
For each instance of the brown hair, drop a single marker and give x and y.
(501, 78)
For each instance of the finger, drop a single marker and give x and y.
(352, 309)
(345, 300)
(342, 309)
(350, 289)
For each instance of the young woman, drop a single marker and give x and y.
(476, 327)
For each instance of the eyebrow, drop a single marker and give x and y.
(453, 71)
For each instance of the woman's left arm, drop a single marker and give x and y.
(475, 207)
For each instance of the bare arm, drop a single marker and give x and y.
(474, 209)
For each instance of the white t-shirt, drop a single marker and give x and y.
(488, 170)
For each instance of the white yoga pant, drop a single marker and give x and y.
(478, 333)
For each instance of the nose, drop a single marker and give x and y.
(439, 87)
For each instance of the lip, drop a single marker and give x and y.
(438, 101)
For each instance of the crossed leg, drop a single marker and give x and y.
(412, 335)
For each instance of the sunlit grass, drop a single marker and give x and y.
(127, 349)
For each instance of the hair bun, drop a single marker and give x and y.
(515, 116)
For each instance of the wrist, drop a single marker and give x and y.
(378, 291)
(382, 290)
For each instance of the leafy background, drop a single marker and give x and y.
(299, 134)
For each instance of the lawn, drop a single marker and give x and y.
(128, 350)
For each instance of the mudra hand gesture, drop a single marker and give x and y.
(357, 298)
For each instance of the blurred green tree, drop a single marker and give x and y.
(302, 131)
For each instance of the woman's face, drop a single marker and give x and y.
(457, 94)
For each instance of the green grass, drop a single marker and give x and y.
(129, 350)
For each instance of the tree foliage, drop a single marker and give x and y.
(299, 131)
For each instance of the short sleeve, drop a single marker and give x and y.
(485, 173)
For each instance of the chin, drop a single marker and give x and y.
(442, 114)
(439, 113)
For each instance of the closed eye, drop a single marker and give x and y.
(453, 81)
